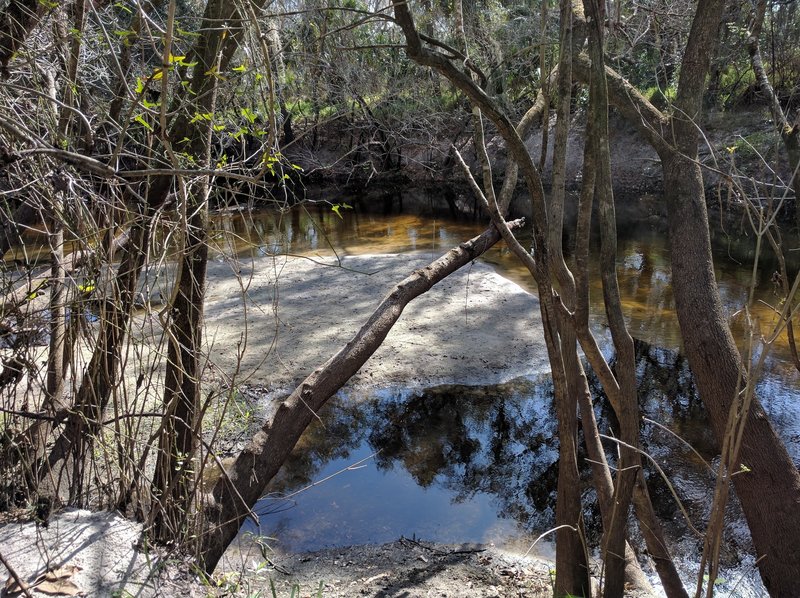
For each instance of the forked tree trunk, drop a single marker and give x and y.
(572, 578)
(173, 487)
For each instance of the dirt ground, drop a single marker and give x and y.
(100, 554)
(406, 568)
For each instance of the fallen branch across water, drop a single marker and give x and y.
(243, 483)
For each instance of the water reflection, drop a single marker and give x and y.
(321, 230)
(480, 464)
(449, 464)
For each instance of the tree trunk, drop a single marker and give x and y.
(770, 490)
(102, 373)
(627, 407)
(789, 132)
(173, 485)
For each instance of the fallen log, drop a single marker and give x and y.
(243, 482)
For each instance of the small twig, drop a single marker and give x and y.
(691, 448)
(548, 532)
(442, 552)
(23, 587)
(663, 476)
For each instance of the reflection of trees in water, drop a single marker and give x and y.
(492, 439)
(500, 440)
(339, 431)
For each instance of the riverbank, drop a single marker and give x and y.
(270, 321)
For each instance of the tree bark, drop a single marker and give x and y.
(241, 485)
(789, 132)
(770, 491)
(572, 577)
(627, 407)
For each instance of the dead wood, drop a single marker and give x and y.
(243, 483)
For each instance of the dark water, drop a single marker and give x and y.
(458, 464)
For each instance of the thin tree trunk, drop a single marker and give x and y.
(173, 483)
(174, 478)
(102, 373)
(627, 407)
(789, 132)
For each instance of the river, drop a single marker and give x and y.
(464, 464)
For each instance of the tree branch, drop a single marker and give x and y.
(238, 489)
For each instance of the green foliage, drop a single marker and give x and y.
(660, 98)
(304, 107)
(753, 145)
(337, 207)
(734, 82)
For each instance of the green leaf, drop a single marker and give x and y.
(87, 287)
(140, 119)
(340, 206)
(213, 72)
(201, 116)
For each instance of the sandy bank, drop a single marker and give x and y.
(275, 319)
